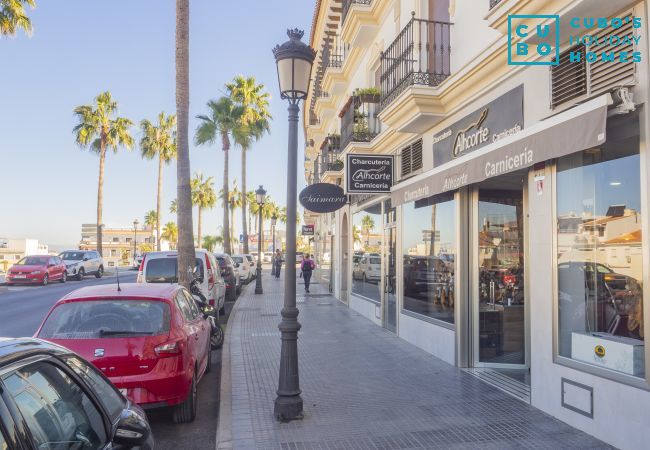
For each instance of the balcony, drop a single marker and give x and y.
(330, 162)
(359, 122)
(348, 3)
(420, 55)
(334, 51)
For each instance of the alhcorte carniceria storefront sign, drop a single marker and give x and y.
(502, 117)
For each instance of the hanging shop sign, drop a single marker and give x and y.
(369, 174)
(307, 230)
(500, 118)
(323, 198)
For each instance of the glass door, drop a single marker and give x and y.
(500, 301)
(389, 297)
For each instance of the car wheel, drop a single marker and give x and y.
(216, 339)
(100, 272)
(80, 274)
(64, 277)
(45, 280)
(186, 411)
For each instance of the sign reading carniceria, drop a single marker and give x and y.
(500, 118)
(368, 174)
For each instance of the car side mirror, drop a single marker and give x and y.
(132, 429)
(86, 258)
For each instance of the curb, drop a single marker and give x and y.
(224, 421)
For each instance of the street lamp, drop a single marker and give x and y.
(136, 222)
(274, 221)
(260, 196)
(294, 60)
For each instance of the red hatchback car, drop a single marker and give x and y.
(150, 340)
(38, 269)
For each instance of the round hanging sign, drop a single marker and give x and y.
(323, 198)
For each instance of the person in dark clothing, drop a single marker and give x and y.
(307, 267)
(277, 263)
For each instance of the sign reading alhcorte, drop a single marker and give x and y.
(369, 174)
(502, 117)
(323, 198)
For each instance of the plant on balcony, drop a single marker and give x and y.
(336, 165)
(360, 124)
(368, 95)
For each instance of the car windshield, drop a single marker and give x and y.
(238, 259)
(33, 261)
(375, 261)
(165, 270)
(106, 318)
(72, 256)
(249, 258)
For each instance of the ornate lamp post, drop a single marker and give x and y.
(136, 222)
(274, 221)
(294, 60)
(260, 196)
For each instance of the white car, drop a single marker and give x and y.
(252, 261)
(79, 263)
(267, 257)
(137, 261)
(162, 267)
(367, 269)
(244, 267)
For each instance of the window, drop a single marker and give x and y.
(429, 254)
(196, 312)
(600, 296)
(411, 158)
(116, 239)
(368, 240)
(129, 240)
(111, 400)
(165, 270)
(184, 307)
(55, 408)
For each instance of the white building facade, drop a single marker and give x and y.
(513, 243)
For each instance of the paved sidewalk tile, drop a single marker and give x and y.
(364, 388)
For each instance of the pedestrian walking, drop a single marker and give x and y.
(307, 267)
(277, 263)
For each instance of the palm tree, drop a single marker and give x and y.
(170, 234)
(173, 206)
(221, 121)
(13, 16)
(234, 198)
(254, 123)
(150, 220)
(159, 140)
(367, 224)
(98, 130)
(253, 208)
(203, 197)
(210, 242)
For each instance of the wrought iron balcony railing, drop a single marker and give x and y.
(494, 3)
(330, 155)
(334, 51)
(348, 3)
(418, 56)
(359, 122)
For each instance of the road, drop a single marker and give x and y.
(22, 309)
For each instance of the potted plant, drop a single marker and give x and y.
(368, 95)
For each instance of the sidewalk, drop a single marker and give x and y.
(363, 388)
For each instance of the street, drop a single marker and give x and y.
(24, 307)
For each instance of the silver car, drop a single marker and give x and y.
(79, 263)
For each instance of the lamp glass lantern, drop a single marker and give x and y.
(260, 195)
(294, 61)
(274, 220)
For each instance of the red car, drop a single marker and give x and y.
(150, 340)
(37, 269)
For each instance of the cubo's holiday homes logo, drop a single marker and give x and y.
(535, 39)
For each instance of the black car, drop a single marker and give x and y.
(52, 398)
(229, 275)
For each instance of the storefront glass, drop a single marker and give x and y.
(366, 259)
(599, 251)
(429, 253)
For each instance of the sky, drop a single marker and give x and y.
(81, 48)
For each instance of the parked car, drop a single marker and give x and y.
(367, 269)
(230, 275)
(137, 261)
(150, 340)
(162, 267)
(252, 263)
(245, 272)
(37, 269)
(53, 399)
(267, 257)
(79, 263)
(425, 273)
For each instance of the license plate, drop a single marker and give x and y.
(20, 276)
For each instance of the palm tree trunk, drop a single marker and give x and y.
(160, 176)
(100, 195)
(199, 233)
(186, 255)
(243, 200)
(227, 244)
(232, 222)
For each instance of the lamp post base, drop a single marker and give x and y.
(258, 281)
(288, 408)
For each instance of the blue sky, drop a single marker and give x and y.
(80, 48)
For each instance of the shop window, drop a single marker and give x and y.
(366, 259)
(600, 296)
(429, 254)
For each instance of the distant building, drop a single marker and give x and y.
(117, 243)
(12, 250)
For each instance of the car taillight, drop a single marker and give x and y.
(211, 302)
(210, 272)
(140, 278)
(167, 349)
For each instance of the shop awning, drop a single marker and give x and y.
(571, 131)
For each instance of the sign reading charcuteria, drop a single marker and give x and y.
(369, 174)
(323, 198)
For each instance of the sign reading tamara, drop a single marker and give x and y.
(322, 198)
(498, 119)
(369, 174)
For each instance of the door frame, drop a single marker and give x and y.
(387, 230)
(473, 288)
